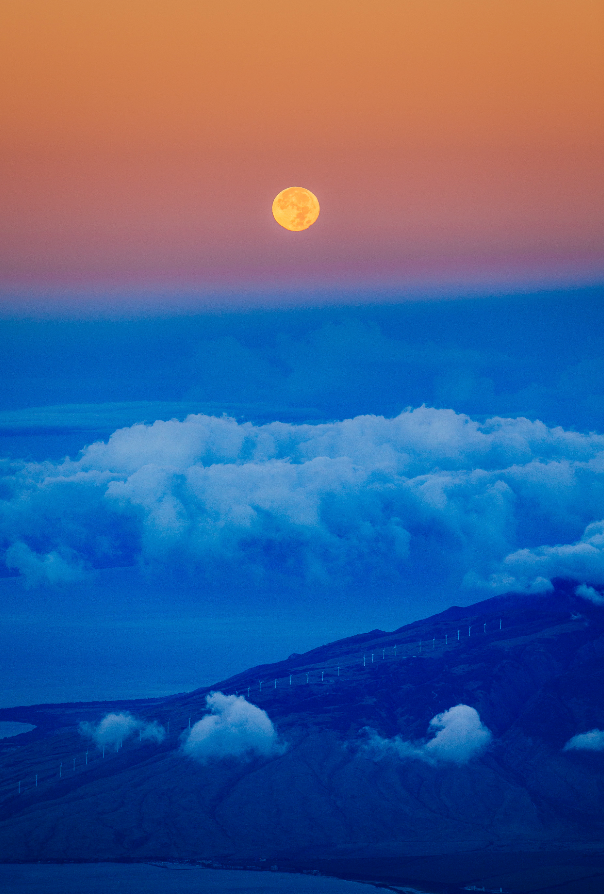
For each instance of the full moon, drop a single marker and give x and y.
(296, 208)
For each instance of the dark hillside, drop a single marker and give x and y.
(533, 668)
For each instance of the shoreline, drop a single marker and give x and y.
(191, 865)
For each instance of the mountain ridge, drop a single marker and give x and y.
(329, 801)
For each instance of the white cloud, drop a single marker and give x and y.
(114, 729)
(152, 732)
(590, 593)
(531, 570)
(459, 736)
(591, 741)
(36, 568)
(507, 503)
(234, 728)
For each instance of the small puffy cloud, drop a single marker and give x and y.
(152, 732)
(590, 593)
(459, 736)
(114, 729)
(49, 568)
(591, 741)
(234, 728)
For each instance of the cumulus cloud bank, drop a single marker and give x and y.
(114, 729)
(532, 569)
(591, 741)
(459, 736)
(234, 728)
(505, 504)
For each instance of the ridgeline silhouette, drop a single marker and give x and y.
(522, 812)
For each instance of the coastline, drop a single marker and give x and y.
(145, 877)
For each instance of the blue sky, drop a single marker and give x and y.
(164, 555)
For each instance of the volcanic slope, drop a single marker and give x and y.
(521, 812)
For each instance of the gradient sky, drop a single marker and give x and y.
(450, 142)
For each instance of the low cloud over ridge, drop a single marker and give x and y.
(234, 728)
(459, 736)
(506, 504)
(114, 729)
(590, 741)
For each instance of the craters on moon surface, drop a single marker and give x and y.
(296, 208)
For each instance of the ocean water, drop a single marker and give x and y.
(143, 878)
(10, 728)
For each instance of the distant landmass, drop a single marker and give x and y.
(459, 752)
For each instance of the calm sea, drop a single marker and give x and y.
(106, 878)
(10, 728)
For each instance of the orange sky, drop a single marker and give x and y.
(142, 142)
